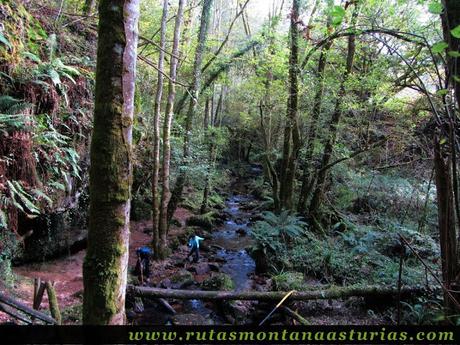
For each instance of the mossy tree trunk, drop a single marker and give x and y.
(291, 143)
(165, 193)
(106, 262)
(333, 125)
(156, 130)
(446, 223)
(312, 131)
(195, 90)
(446, 167)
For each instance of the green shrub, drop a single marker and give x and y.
(287, 281)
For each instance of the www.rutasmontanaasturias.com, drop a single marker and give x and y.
(290, 335)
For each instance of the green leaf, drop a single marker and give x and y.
(32, 57)
(435, 7)
(456, 78)
(337, 14)
(55, 78)
(453, 53)
(439, 47)
(442, 92)
(443, 141)
(25, 198)
(456, 32)
(5, 41)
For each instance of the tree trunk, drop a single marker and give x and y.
(211, 162)
(106, 263)
(446, 224)
(291, 144)
(311, 294)
(207, 113)
(156, 130)
(88, 9)
(202, 35)
(312, 130)
(165, 193)
(333, 126)
(450, 20)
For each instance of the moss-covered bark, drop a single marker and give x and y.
(156, 129)
(106, 262)
(291, 144)
(195, 91)
(162, 250)
(53, 302)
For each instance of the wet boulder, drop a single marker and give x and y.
(237, 311)
(182, 279)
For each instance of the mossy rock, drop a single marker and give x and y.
(182, 279)
(288, 281)
(219, 282)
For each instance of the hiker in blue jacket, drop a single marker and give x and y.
(194, 244)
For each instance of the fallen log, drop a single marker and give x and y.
(313, 294)
(10, 311)
(25, 309)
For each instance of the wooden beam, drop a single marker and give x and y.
(9, 311)
(25, 309)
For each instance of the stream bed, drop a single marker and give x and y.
(228, 245)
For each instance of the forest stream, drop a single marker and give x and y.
(227, 246)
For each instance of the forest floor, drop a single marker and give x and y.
(224, 251)
(67, 273)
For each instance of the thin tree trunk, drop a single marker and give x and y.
(202, 36)
(333, 126)
(106, 263)
(313, 129)
(220, 105)
(165, 193)
(207, 113)
(446, 223)
(89, 7)
(292, 143)
(211, 162)
(450, 20)
(156, 130)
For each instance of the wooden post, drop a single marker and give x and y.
(52, 299)
(39, 290)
